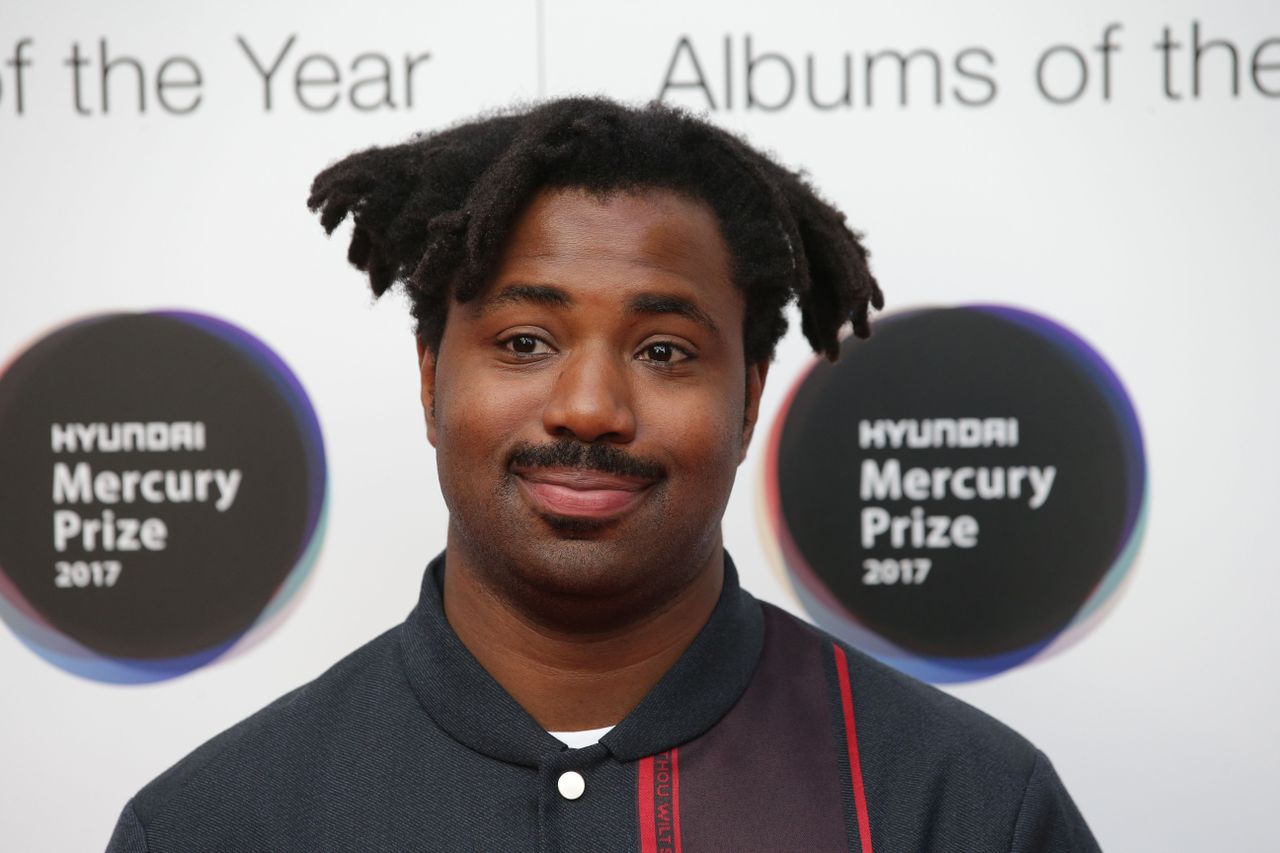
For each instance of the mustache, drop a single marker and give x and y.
(567, 453)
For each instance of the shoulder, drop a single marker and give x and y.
(283, 746)
(934, 771)
(889, 706)
(915, 744)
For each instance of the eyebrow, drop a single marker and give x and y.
(542, 294)
(661, 303)
(643, 304)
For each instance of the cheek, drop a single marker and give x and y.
(705, 436)
(474, 433)
(480, 416)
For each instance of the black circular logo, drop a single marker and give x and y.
(162, 482)
(956, 492)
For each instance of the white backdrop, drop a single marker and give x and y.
(1144, 218)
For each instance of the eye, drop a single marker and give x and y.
(664, 353)
(525, 345)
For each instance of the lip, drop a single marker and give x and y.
(575, 493)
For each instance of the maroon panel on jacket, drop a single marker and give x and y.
(767, 776)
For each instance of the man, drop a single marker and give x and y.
(598, 291)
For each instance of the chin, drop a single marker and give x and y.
(573, 528)
(623, 565)
(577, 564)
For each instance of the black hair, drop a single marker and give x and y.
(434, 212)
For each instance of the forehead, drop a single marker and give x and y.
(657, 235)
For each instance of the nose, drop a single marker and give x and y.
(591, 399)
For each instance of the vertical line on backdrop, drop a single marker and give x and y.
(542, 49)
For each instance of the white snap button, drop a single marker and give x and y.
(571, 785)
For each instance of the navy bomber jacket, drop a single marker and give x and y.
(767, 735)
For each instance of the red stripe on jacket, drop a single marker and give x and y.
(851, 744)
(658, 791)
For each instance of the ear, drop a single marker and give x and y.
(756, 375)
(427, 388)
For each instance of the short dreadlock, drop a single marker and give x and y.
(434, 213)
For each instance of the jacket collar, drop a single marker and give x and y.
(465, 701)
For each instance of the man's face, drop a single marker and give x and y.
(590, 408)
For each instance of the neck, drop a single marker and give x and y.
(567, 675)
